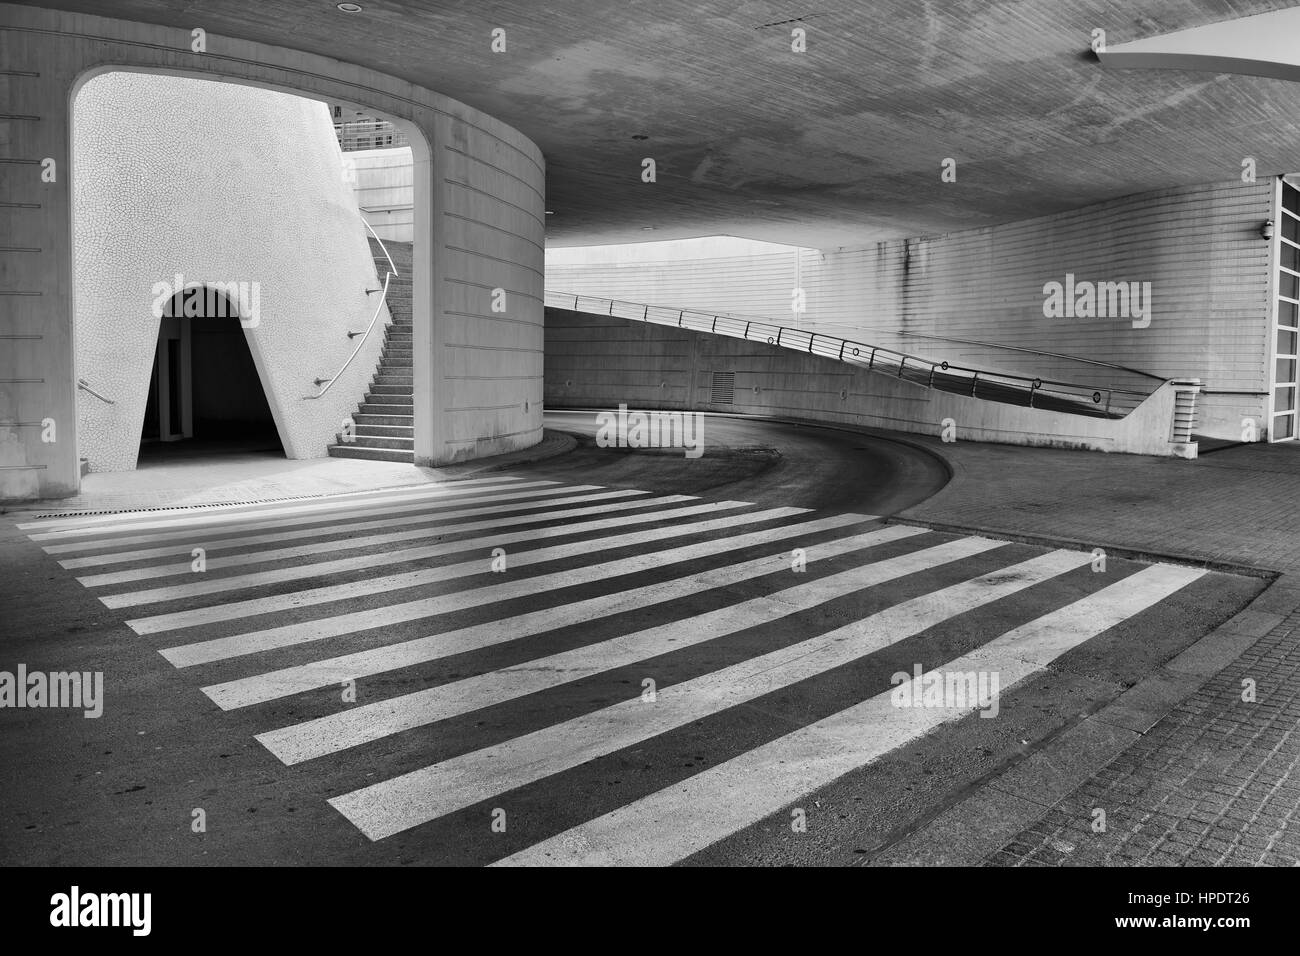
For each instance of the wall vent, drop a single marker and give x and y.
(723, 389)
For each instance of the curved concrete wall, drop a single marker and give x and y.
(215, 182)
(479, 190)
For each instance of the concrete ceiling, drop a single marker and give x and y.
(841, 145)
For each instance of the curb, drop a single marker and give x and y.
(560, 443)
(1134, 554)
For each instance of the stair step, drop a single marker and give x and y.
(384, 431)
(397, 389)
(372, 454)
(375, 441)
(386, 408)
(362, 418)
(404, 402)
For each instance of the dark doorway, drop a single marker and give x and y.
(205, 394)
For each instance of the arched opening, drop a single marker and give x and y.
(205, 394)
(216, 387)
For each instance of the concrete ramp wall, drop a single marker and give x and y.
(602, 361)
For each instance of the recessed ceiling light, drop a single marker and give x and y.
(550, 212)
(647, 228)
(640, 136)
(349, 7)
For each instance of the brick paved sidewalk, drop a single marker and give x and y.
(1186, 771)
(1213, 783)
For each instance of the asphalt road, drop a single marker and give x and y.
(128, 787)
(761, 461)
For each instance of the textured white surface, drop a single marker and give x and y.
(217, 182)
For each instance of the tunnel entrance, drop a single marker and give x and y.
(205, 395)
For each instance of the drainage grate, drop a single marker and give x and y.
(723, 388)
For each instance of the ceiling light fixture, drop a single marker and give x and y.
(349, 7)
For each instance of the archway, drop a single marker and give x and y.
(318, 307)
(206, 395)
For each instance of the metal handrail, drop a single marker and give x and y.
(1104, 401)
(392, 274)
(987, 345)
(1021, 348)
(81, 384)
(391, 268)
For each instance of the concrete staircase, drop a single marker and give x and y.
(385, 423)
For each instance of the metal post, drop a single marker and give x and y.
(842, 344)
(779, 330)
(812, 337)
(931, 385)
(873, 358)
(974, 380)
(900, 366)
(746, 330)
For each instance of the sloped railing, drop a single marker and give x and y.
(392, 274)
(1096, 399)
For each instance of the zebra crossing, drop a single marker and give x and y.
(510, 638)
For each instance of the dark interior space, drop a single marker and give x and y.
(230, 411)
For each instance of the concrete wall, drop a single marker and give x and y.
(385, 191)
(599, 361)
(716, 274)
(478, 187)
(162, 188)
(1199, 247)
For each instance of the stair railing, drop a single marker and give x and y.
(392, 274)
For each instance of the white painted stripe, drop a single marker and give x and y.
(369, 722)
(350, 498)
(387, 615)
(671, 824)
(304, 677)
(392, 806)
(436, 530)
(392, 582)
(330, 525)
(430, 518)
(242, 521)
